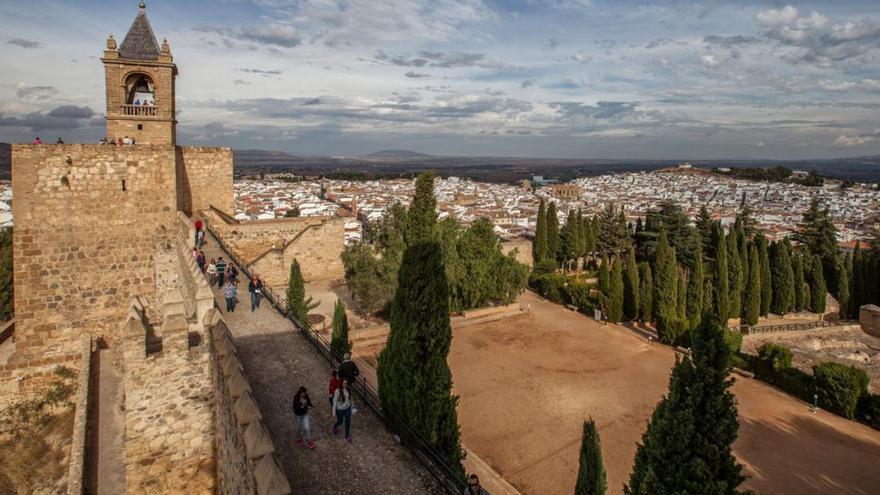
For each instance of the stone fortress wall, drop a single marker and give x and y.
(270, 246)
(204, 179)
(88, 218)
(523, 249)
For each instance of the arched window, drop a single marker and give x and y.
(140, 90)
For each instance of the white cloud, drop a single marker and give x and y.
(844, 140)
(774, 17)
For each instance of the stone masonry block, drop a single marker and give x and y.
(257, 441)
(230, 364)
(237, 384)
(869, 318)
(246, 409)
(270, 478)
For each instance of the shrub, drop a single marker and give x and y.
(772, 359)
(544, 267)
(840, 387)
(733, 340)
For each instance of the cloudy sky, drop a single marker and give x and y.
(557, 78)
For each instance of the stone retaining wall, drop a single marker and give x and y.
(246, 461)
(869, 319)
(75, 471)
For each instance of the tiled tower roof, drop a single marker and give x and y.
(140, 42)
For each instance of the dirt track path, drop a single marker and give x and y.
(278, 359)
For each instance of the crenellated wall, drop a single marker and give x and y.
(269, 246)
(169, 427)
(204, 179)
(246, 461)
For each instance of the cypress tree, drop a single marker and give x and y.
(553, 240)
(681, 296)
(782, 276)
(415, 383)
(722, 277)
(752, 303)
(818, 290)
(339, 343)
(687, 445)
(704, 227)
(843, 285)
(6, 283)
(604, 277)
(799, 284)
(298, 305)
(665, 283)
(735, 273)
(422, 216)
(578, 237)
(631, 287)
(591, 470)
(540, 246)
(646, 293)
(857, 280)
(695, 293)
(743, 248)
(766, 279)
(708, 299)
(615, 292)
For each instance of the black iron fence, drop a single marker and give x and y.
(790, 327)
(446, 476)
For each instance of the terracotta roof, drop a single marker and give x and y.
(140, 42)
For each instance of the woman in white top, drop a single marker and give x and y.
(211, 270)
(342, 406)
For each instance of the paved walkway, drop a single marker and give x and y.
(278, 359)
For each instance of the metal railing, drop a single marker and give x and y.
(428, 457)
(138, 110)
(791, 327)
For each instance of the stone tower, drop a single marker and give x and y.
(140, 78)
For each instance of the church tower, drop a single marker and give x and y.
(140, 78)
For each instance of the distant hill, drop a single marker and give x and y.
(5, 161)
(397, 154)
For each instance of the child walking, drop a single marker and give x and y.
(342, 405)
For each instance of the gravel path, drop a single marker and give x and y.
(278, 359)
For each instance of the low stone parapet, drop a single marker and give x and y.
(869, 319)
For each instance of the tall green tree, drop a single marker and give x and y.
(665, 284)
(687, 446)
(681, 296)
(800, 300)
(553, 241)
(339, 343)
(422, 215)
(415, 384)
(735, 274)
(615, 292)
(591, 470)
(857, 280)
(843, 285)
(766, 278)
(782, 276)
(752, 303)
(298, 305)
(540, 246)
(743, 250)
(721, 276)
(818, 289)
(705, 225)
(631, 287)
(818, 233)
(646, 293)
(695, 293)
(6, 283)
(613, 234)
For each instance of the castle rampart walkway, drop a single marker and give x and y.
(278, 359)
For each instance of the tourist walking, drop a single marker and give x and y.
(60, 141)
(343, 406)
(474, 487)
(348, 371)
(229, 292)
(302, 422)
(255, 287)
(211, 270)
(335, 382)
(200, 238)
(200, 259)
(195, 253)
(38, 140)
(221, 271)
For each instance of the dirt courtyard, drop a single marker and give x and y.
(527, 383)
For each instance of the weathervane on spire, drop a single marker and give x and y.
(143, 6)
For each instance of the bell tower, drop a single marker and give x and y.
(140, 77)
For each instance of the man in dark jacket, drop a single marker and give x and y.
(348, 371)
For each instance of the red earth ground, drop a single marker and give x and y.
(527, 383)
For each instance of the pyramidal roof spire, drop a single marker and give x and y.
(140, 42)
